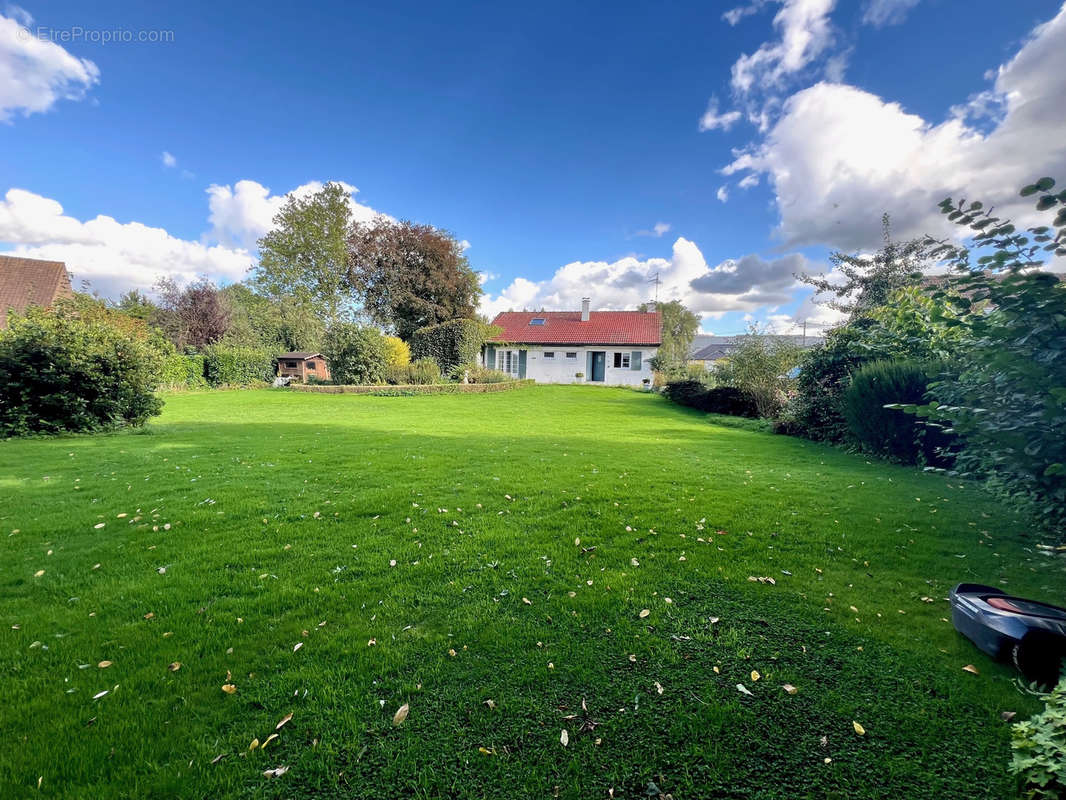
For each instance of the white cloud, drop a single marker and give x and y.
(886, 12)
(169, 160)
(805, 33)
(114, 256)
(747, 284)
(839, 156)
(464, 245)
(241, 214)
(36, 73)
(657, 230)
(734, 15)
(749, 180)
(711, 119)
(723, 193)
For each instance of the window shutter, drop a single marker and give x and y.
(490, 357)
(634, 360)
(521, 363)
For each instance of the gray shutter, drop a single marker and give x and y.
(521, 364)
(490, 357)
(634, 360)
(588, 365)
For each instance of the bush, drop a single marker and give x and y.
(76, 369)
(816, 410)
(181, 371)
(452, 343)
(475, 373)
(718, 400)
(356, 354)
(397, 352)
(1039, 746)
(422, 372)
(237, 366)
(889, 432)
(759, 366)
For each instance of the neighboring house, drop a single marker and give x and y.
(26, 282)
(707, 350)
(303, 366)
(606, 347)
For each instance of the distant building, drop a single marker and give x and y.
(302, 366)
(707, 350)
(26, 282)
(605, 347)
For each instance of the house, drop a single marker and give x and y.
(708, 350)
(26, 282)
(605, 347)
(302, 366)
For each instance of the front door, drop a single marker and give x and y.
(599, 361)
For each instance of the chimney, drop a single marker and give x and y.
(585, 309)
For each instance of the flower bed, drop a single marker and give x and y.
(413, 389)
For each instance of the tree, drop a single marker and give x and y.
(397, 352)
(356, 353)
(760, 366)
(410, 276)
(303, 259)
(679, 326)
(194, 316)
(869, 280)
(263, 322)
(137, 305)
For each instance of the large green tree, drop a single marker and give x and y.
(303, 259)
(409, 276)
(679, 327)
(264, 322)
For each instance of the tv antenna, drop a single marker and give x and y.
(655, 280)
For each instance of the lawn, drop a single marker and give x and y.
(487, 560)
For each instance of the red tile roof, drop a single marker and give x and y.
(566, 327)
(30, 282)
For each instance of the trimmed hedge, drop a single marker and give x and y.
(719, 400)
(405, 391)
(451, 343)
(422, 372)
(182, 372)
(237, 366)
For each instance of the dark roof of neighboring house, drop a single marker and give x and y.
(713, 348)
(300, 356)
(28, 282)
(566, 327)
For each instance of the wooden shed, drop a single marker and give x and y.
(302, 366)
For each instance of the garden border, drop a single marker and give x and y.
(407, 390)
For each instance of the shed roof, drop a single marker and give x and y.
(28, 282)
(300, 356)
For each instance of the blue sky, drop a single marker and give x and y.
(551, 137)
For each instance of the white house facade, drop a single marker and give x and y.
(610, 348)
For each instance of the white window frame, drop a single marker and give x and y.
(507, 361)
(624, 360)
(549, 354)
(571, 356)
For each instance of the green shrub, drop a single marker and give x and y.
(421, 372)
(77, 368)
(816, 410)
(1039, 747)
(237, 366)
(181, 371)
(717, 400)
(451, 343)
(475, 373)
(356, 354)
(888, 432)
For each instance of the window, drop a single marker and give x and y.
(549, 354)
(537, 321)
(621, 360)
(571, 355)
(507, 361)
(311, 366)
(291, 365)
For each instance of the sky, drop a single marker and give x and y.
(576, 149)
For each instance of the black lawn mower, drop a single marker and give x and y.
(1029, 634)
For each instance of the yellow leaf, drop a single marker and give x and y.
(789, 688)
(644, 612)
(717, 671)
(174, 666)
(38, 573)
(284, 719)
(254, 744)
(971, 668)
(401, 714)
(755, 675)
(269, 739)
(104, 664)
(527, 601)
(859, 729)
(229, 688)
(451, 653)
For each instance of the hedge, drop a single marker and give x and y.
(182, 372)
(719, 400)
(237, 366)
(451, 343)
(405, 391)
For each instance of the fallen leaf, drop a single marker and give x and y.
(789, 688)
(297, 646)
(527, 601)
(564, 738)
(859, 729)
(744, 690)
(229, 688)
(755, 675)
(104, 664)
(490, 703)
(98, 695)
(1007, 716)
(277, 772)
(268, 740)
(174, 666)
(254, 744)
(451, 653)
(218, 758)
(644, 612)
(400, 715)
(371, 642)
(284, 719)
(971, 668)
(658, 687)
(38, 573)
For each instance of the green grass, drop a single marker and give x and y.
(285, 511)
